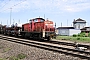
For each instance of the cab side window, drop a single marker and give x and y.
(35, 20)
(41, 20)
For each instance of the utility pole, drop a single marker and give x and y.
(61, 24)
(55, 25)
(1, 22)
(7, 22)
(10, 15)
(44, 16)
(27, 20)
(13, 21)
(67, 22)
(19, 21)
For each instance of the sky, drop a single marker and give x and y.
(59, 11)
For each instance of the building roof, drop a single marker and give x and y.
(79, 20)
(37, 18)
(65, 28)
(85, 28)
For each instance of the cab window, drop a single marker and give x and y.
(41, 20)
(35, 20)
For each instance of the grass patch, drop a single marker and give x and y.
(6, 49)
(18, 57)
(13, 58)
(1, 47)
(77, 39)
(2, 59)
(21, 56)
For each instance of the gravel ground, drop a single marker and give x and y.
(11, 49)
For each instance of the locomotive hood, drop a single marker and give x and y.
(49, 23)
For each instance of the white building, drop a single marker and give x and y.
(68, 31)
(79, 23)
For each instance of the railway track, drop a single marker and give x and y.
(49, 46)
(73, 45)
(87, 46)
(70, 44)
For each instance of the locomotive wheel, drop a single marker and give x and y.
(16, 35)
(49, 38)
(23, 36)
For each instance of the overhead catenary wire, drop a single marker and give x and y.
(14, 5)
(10, 15)
(11, 7)
(5, 4)
(1, 2)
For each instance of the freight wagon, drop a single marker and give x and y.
(12, 30)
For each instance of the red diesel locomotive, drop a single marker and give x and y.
(38, 28)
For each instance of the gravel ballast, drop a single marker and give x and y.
(10, 49)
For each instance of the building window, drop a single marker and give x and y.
(79, 26)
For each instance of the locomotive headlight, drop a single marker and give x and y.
(47, 34)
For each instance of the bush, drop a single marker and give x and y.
(74, 35)
(78, 38)
(89, 34)
(82, 34)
